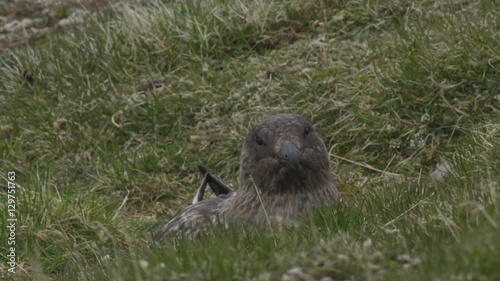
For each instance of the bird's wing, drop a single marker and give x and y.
(193, 219)
(201, 190)
(217, 186)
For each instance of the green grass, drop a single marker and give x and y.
(394, 89)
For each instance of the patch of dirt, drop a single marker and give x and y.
(25, 21)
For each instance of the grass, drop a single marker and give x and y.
(105, 123)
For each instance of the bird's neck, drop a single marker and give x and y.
(307, 192)
(282, 202)
(284, 182)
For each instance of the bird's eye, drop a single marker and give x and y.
(259, 141)
(307, 131)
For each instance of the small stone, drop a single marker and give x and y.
(144, 264)
(440, 173)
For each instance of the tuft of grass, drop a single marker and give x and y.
(105, 123)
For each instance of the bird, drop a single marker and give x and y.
(284, 174)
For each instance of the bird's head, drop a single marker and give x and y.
(283, 152)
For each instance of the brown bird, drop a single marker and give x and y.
(284, 173)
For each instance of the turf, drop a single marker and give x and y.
(104, 124)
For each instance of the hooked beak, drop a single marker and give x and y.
(289, 155)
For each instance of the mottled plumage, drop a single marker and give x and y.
(284, 173)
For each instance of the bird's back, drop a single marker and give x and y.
(194, 218)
